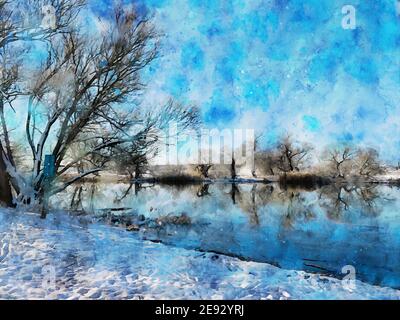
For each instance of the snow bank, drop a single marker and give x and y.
(71, 258)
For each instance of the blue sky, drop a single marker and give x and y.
(281, 66)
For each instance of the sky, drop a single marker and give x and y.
(282, 66)
(278, 67)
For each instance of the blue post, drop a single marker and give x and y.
(49, 172)
(49, 169)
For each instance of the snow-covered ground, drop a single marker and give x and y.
(390, 176)
(66, 257)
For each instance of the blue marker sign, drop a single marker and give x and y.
(49, 170)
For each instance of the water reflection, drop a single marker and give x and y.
(318, 230)
(337, 200)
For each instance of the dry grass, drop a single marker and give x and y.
(303, 180)
(180, 179)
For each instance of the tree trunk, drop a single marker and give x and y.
(233, 169)
(137, 172)
(6, 198)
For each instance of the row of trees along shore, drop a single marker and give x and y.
(288, 157)
(339, 161)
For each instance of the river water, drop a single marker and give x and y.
(330, 230)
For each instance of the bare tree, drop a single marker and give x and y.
(8, 77)
(80, 84)
(136, 157)
(291, 155)
(101, 74)
(205, 162)
(266, 161)
(21, 20)
(340, 161)
(133, 164)
(367, 162)
(256, 146)
(233, 168)
(203, 169)
(26, 20)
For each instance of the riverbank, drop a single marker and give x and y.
(66, 257)
(307, 178)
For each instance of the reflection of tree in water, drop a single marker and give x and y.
(120, 197)
(136, 186)
(254, 219)
(235, 193)
(246, 201)
(93, 189)
(250, 201)
(297, 207)
(368, 196)
(337, 200)
(81, 193)
(264, 194)
(76, 200)
(203, 190)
